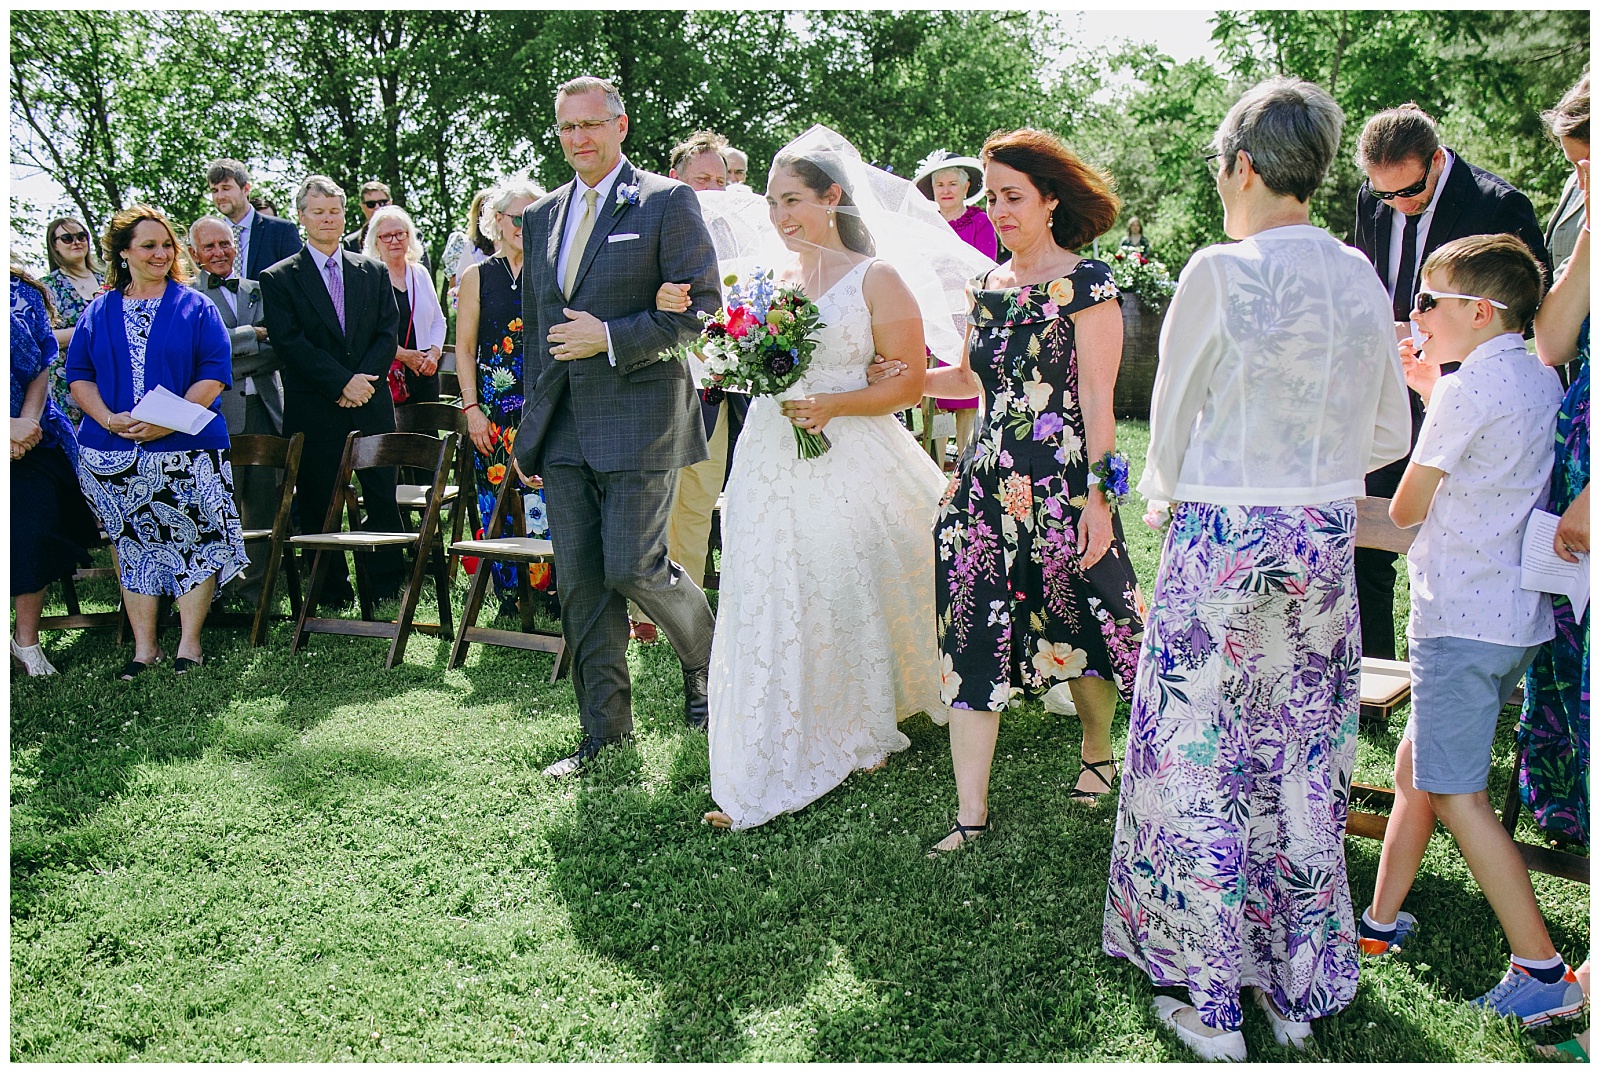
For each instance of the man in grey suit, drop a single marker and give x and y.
(254, 404)
(610, 415)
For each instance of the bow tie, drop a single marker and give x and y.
(232, 283)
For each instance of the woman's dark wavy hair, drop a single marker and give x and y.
(1086, 206)
(852, 232)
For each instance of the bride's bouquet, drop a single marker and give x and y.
(760, 342)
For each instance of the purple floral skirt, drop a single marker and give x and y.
(1227, 867)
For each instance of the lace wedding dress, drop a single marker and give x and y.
(825, 624)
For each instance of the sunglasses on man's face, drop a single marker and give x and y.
(1411, 191)
(71, 238)
(1428, 301)
(376, 204)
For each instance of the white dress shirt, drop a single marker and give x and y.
(1279, 381)
(1491, 428)
(575, 216)
(246, 226)
(1397, 232)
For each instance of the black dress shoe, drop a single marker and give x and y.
(588, 749)
(696, 704)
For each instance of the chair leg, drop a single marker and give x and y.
(563, 663)
(291, 574)
(441, 585)
(269, 585)
(319, 574)
(469, 612)
(69, 593)
(457, 518)
(363, 586)
(408, 610)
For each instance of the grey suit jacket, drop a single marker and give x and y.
(1565, 223)
(252, 357)
(642, 412)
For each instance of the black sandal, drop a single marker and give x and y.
(967, 831)
(133, 668)
(183, 664)
(1092, 797)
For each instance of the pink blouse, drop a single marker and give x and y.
(976, 231)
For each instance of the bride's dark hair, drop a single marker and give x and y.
(852, 232)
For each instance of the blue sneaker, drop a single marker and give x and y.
(1519, 995)
(1375, 944)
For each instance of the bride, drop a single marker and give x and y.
(825, 633)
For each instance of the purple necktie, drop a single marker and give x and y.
(335, 287)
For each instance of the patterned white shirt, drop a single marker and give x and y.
(1491, 429)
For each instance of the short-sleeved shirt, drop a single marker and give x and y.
(1491, 429)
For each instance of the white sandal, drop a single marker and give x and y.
(1222, 1047)
(32, 659)
(1288, 1033)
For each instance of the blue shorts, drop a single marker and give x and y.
(1458, 687)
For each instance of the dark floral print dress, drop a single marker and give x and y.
(1017, 612)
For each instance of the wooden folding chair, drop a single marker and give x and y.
(1386, 684)
(373, 452)
(522, 550)
(460, 490)
(283, 455)
(76, 617)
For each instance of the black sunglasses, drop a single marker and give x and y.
(376, 204)
(1411, 191)
(70, 237)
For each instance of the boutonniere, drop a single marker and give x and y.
(626, 195)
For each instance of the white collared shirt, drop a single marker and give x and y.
(1491, 428)
(575, 216)
(229, 297)
(1397, 230)
(246, 227)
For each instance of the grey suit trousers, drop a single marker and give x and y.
(610, 536)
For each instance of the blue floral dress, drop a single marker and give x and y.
(499, 361)
(1227, 866)
(1017, 614)
(69, 307)
(170, 514)
(1554, 730)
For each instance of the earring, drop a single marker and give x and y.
(1051, 222)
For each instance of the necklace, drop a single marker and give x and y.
(516, 277)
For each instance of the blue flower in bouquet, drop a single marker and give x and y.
(627, 194)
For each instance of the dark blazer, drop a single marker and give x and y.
(252, 357)
(319, 359)
(356, 240)
(1473, 202)
(271, 240)
(642, 413)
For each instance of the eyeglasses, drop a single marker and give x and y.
(71, 239)
(394, 236)
(588, 126)
(514, 217)
(376, 204)
(1428, 301)
(1214, 164)
(1411, 191)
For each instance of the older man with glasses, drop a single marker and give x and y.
(1418, 196)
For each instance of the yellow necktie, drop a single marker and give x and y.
(580, 242)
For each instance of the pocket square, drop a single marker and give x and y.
(621, 238)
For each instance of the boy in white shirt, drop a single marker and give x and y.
(1481, 465)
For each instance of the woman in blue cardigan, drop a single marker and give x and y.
(165, 498)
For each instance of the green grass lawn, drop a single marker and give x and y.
(308, 858)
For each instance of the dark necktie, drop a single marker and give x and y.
(232, 283)
(1406, 279)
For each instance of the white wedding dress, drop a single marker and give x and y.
(825, 633)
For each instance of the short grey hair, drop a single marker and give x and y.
(209, 218)
(369, 245)
(1290, 129)
(744, 157)
(590, 84)
(502, 197)
(320, 185)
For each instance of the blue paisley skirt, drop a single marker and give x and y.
(170, 515)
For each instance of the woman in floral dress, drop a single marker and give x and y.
(1279, 388)
(489, 370)
(74, 280)
(1035, 588)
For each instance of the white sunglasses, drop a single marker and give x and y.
(1427, 300)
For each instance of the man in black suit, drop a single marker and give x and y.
(332, 317)
(1418, 196)
(261, 241)
(374, 196)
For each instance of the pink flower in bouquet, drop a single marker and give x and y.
(740, 321)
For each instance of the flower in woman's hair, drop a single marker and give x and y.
(627, 194)
(779, 364)
(1017, 494)
(1059, 660)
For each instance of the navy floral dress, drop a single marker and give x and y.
(1017, 613)
(69, 307)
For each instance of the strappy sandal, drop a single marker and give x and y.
(967, 831)
(133, 668)
(1092, 797)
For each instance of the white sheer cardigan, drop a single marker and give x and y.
(1279, 381)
